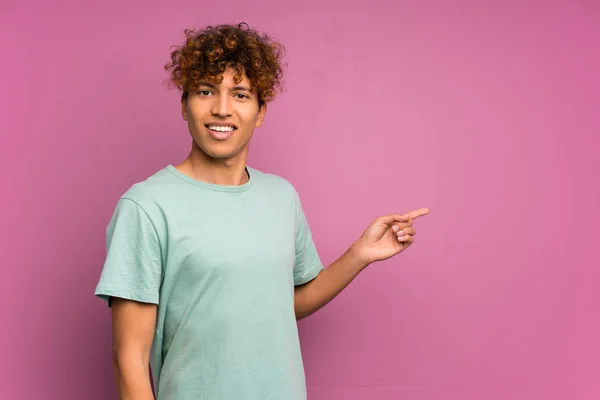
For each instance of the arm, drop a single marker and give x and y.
(384, 238)
(133, 331)
(313, 295)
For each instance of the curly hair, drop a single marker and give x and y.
(209, 52)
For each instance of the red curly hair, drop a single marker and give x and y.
(209, 52)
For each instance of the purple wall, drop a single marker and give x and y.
(486, 112)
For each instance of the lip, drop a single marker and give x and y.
(220, 135)
(229, 124)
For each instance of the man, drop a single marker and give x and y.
(210, 263)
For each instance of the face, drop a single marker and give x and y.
(222, 117)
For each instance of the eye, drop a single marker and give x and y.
(204, 92)
(241, 96)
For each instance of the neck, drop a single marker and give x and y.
(228, 172)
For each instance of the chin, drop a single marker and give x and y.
(219, 152)
(222, 156)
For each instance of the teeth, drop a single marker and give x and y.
(221, 128)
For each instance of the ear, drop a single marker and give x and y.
(262, 111)
(184, 112)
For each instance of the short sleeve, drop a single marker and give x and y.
(133, 266)
(308, 264)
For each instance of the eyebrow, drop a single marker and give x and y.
(212, 85)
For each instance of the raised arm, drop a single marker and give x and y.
(384, 238)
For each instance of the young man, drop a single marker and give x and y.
(210, 263)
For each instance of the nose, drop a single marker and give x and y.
(222, 106)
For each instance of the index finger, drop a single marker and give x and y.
(418, 213)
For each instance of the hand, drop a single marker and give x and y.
(387, 236)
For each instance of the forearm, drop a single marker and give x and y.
(313, 295)
(132, 377)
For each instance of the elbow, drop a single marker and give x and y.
(127, 359)
(303, 302)
(300, 316)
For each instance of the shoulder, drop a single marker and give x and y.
(141, 204)
(145, 199)
(148, 191)
(274, 184)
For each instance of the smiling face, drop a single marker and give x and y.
(222, 117)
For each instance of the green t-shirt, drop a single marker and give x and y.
(221, 262)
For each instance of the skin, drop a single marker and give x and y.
(214, 161)
(223, 162)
